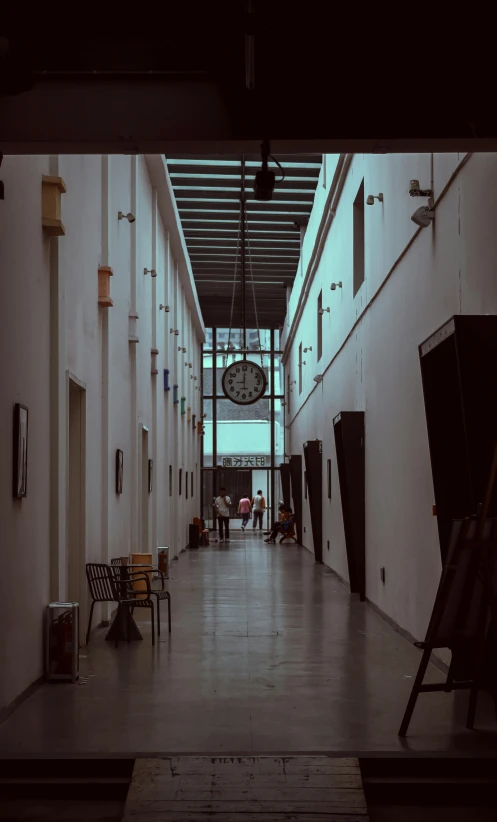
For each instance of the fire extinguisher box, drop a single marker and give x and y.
(62, 642)
(163, 554)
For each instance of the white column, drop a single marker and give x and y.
(58, 420)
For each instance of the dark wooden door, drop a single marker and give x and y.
(296, 477)
(313, 456)
(349, 441)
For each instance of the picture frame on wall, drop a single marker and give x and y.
(180, 479)
(186, 485)
(20, 452)
(170, 480)
(119, 471)
(329, 478)
(150, 475)
(191, 479)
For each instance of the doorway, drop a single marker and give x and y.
(238, 482)
(76, 500)
(145, 490)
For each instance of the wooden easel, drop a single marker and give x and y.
(464, 607)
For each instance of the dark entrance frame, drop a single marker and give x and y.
(271, 397)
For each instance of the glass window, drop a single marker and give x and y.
(208, 438)
(208, 339)
(279, 432)
(207, 387)
(279, 378)
(243, 431)
(277, 339)
(256, 340)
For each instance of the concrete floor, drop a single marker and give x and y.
(268, 653)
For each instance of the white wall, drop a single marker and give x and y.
(370, 354)
(121, 392)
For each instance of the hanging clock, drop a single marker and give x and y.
(244, 382)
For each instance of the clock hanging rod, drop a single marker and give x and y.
(243, 277)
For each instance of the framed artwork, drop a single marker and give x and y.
(20, 452)
(180, 478)
(150, 475)
(119, 471)
(170, 480)
(329, 478)
(186, 485)
(191, 479)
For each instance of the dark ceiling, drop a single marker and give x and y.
(155, 77)
(208, 192)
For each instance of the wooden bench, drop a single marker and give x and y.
(290, 533)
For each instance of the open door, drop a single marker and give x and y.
(296, 480)
(349, 441)
(76, 548)
(285, 483)
(313, 456)
(145, 492)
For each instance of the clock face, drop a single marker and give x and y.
(244, 382)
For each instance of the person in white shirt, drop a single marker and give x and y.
(259, 506)
(221, 506)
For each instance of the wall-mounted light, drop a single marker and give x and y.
(129, 216)
(334, 286)
(323, 310)
(293, 382)
(372, 197)
(184, 350)
(318, 378)
(416, 191)
(151, 271)
(307, 349)
(164, 307)
(190, 365)
(177, 332)
(179, 348)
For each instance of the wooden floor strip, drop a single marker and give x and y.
(246, 789)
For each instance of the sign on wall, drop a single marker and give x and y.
(245, 462)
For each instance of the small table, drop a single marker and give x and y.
(124, 627)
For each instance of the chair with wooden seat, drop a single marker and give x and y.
(102, 589)
(203, 533)
(159, 595)
(288, 532)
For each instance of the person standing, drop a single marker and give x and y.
(221, 506)
(244, 508)
(259, 506)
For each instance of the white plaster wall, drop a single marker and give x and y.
(372, 364)
(121, 392)
(25, 368)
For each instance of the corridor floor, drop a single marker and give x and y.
(268, 653)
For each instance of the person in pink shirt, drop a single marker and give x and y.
(245, 508)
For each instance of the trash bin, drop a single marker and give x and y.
(62, 642)
(194, 536)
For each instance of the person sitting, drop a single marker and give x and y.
(282, 525)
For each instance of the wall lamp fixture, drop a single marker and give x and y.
(183, 350)
(307, 349)
(179, 348)
(318, 378)
(151, 271)
(334, 286)
(129, 216)
(293, 382)
(324, 310)
(165, 307)
(372, 197)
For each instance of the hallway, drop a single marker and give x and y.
(268, 653)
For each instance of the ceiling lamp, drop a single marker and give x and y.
(265, 178)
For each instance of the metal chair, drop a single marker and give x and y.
(162, 594)
(128, 596)
(101, 585)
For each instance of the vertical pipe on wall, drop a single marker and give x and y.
(58, 419)
(104, 314)
(135, 473)
(154, 380)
